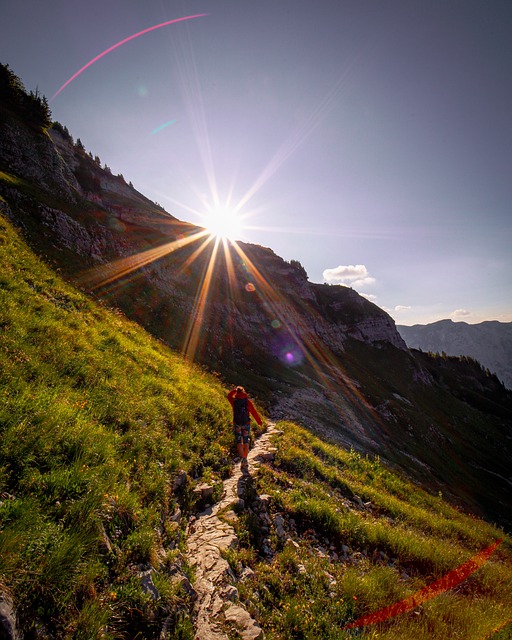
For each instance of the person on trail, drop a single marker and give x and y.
(243, 409)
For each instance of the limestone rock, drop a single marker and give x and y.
(148, 586)
(204, 491)
(279, 526)
(249, 628)
(8, 626)
(180, 480)
(210, 535)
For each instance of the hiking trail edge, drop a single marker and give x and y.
(207, 537)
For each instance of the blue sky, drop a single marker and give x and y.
(369, 140)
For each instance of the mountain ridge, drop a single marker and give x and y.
(114, 459)
(489, 342)
(318, 354)
(114, 445)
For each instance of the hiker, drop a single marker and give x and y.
(243, 409)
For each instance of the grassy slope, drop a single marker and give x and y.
(95, 420)
(458, 427)
(96, 417)
(362, 539)
(464, 448)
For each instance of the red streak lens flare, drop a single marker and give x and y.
(448, 581)
(115, 46)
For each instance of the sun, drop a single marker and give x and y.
(223, 222)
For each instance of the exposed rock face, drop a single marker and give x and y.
(34, 156)
(318, 354)
(353, 316)
(488, 342)
(117, 220)
(8, 626)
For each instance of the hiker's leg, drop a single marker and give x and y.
(239, 441)
(245, 438)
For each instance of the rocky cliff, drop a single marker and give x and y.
(260, 309)
(319, 354)
(488, 342)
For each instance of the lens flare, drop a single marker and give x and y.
(448, 581)
(162, 126)
(115, 46)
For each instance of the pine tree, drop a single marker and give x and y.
(32, 106)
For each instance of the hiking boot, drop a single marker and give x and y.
(244, 464)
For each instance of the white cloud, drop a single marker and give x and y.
(363, 282)
(460, 313)
(349, 275)
(397, 310)
(346, 272)
(369, 296)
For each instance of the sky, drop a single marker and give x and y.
(369, 140)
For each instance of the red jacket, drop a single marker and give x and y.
(237, 394)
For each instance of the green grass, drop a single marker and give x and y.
(400, 541)
(96, 418)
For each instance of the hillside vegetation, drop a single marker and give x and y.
(320, 355)
(351, 538)
(98, 420)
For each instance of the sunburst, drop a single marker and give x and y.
(216, 248)
(224, 223)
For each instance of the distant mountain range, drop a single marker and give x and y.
(488, 342)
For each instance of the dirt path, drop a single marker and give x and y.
(217, 603)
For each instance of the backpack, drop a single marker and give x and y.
(240, 411)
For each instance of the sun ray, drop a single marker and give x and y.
(346, 232)
(326, 366)
(230, 268)
(104, 275)
(196, 326)
(192, 258)
(296, 138)
(185, 64)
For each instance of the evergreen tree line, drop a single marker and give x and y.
(32, 106)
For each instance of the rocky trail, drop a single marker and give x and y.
(217, 607)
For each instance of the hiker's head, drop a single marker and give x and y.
(240, 389)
